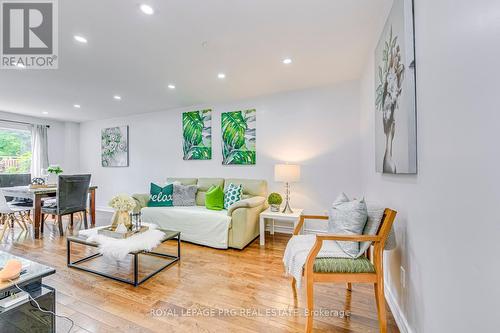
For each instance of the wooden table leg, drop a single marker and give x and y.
(92, 208)
(38, 215)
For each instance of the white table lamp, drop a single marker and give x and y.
(287, 173)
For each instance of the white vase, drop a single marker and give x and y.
(52, 179)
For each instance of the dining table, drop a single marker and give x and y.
(37, 194)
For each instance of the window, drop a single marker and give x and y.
(15, 150)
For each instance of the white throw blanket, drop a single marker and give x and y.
(119, 248)
(197, 224)
(297, 250)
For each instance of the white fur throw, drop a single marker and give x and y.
(119, 248)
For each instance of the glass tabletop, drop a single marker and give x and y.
(30, 270)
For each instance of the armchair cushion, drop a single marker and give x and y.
(246, 203)
(348, 217)
(343, 265)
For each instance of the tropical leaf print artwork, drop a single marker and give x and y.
(238, 137)
(197, 135)
(114, 147)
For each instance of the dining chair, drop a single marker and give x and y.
(71, 197)
(343, 270)
(8, 215)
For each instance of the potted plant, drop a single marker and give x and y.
(54, 171)
(122, 204)
(275, 201)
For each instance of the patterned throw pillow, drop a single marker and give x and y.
(161, 196)
(232, 194)
(185, 195)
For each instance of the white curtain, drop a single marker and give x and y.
(39, 150)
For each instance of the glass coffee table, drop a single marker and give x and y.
(169, 235)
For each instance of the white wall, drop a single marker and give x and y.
(447, 221)
(317, 128)
(64, 147)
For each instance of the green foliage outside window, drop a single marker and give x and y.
(15, 151)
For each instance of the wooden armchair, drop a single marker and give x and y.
(361, 270)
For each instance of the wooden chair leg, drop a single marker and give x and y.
(310, 305)
(60, 225)
(20, 222)
(380, 300)
(71, 220)
(349, 286)
(5, 226)
(28, 215)
(85, 223)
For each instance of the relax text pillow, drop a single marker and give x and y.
(161, 196)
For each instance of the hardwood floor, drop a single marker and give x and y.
(206, 292)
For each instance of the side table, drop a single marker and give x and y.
(267, 214)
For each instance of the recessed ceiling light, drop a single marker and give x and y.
(287, 61)
(146, 9)
(117, 97)
(221, 76)
(80, 39)
(77, 106)
(45, 112)
(171, 86)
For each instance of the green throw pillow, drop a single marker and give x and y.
(161, 196)
(232, 194)
(214, 198)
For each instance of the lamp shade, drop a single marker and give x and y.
(287, 173)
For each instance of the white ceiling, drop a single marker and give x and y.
(136, 56)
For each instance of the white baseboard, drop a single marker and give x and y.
(399, 316)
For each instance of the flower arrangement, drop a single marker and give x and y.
(122, 202)
(54, 169)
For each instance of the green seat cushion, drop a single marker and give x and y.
(343, 265)
(161, 196)
(214, 198)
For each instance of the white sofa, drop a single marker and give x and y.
(235, 227)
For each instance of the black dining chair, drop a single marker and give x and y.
(72, 193)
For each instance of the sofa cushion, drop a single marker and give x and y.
(196, 224)
(251, 187)
(343, 265)
(183, 181)
(161, 196)
(203, 185)
(214, 198)
(232, 194)
(185, 195)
